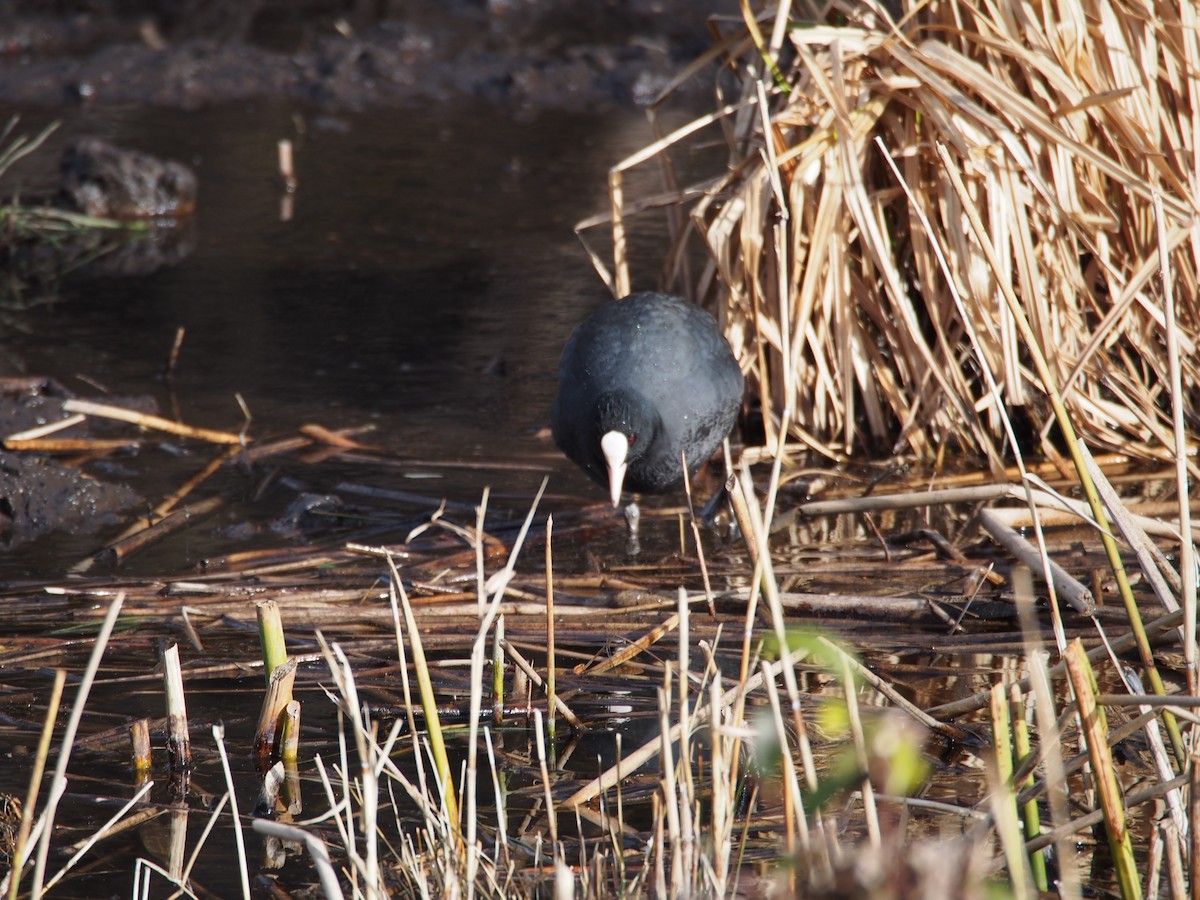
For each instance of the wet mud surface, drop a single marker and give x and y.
(533, 55)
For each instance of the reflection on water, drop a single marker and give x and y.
(423, 245)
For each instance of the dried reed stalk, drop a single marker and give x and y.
(1063, 121)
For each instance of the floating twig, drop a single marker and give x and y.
(144, 420)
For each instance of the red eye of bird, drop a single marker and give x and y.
(632, 439)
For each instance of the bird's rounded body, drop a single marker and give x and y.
(656, 369)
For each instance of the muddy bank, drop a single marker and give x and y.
(538, 55)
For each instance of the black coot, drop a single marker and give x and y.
(641, 382)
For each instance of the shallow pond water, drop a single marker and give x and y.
(423, 284)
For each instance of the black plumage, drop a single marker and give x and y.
(657, 370)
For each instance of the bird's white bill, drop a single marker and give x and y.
(615, 447)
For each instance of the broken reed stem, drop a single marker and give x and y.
(270, 633)
(619, 284)
(795, 820)
(487, 615)
(1194, 819)
(173, 355)
(218, 733)
(179, 742)
(539, 735)
(498, 671)
(268, 736)
(550, 655)
(774, 606)
(143, 420)
(687, 788)
(433, 723)
(1004, 797)
(139, 746)
(670, 797)
(860, 749)
(289, 742)
(1022, 751)
(58, 785)
(35, 783)
(1008, 830)
(691, 507)
(366, 777)
(281, 676)
(1095, 735)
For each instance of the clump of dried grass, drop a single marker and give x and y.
(1064, 122)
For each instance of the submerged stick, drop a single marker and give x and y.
(1068, 587)
(173, 499)
(116, 553)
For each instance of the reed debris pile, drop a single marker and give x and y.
(922, 199)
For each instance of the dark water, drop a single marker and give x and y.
(423, 243)
(424, 284)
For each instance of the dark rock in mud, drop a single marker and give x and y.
(102, 181)
(39, 495)
(109, 182)
(27, 403)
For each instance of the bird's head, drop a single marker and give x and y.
(627, 424)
